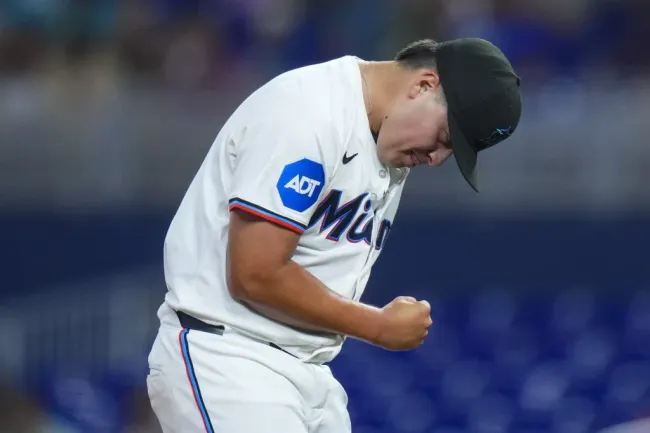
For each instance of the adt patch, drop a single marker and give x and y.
(300, 184)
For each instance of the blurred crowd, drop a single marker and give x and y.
(95, 96)
(211, 42)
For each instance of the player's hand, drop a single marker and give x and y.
(404, 324)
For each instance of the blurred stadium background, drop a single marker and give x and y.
(540, 285)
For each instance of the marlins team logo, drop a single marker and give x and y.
(497, 136)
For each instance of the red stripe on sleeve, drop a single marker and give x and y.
(266, 217)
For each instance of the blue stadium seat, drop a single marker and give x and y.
(570, 363)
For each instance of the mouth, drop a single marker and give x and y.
(414, 160)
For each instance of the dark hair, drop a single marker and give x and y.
(418, 54)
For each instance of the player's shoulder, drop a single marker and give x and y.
(314, 97)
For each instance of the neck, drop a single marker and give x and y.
(380, 87)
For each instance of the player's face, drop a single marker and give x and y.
(416, 130)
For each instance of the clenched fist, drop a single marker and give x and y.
(404, 324)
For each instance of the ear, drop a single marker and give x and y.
(424, 80)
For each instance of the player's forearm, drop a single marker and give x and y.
(293, 296)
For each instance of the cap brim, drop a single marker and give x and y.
(466, 157)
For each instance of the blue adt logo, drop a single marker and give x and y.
(300, 184)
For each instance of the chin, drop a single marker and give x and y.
(395, 162)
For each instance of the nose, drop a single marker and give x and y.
(439, 156)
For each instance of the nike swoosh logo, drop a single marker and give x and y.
(347, 158)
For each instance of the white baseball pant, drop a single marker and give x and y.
(201, 382)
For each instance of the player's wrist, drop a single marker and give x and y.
(367, 323)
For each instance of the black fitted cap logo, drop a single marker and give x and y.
(484, 102)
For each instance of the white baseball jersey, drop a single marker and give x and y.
(299, 153)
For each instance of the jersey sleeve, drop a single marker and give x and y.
(281, 170)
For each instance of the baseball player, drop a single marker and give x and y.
(272, 246)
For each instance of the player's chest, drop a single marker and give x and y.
(358, 208)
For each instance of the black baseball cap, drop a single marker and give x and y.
(483, 99)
